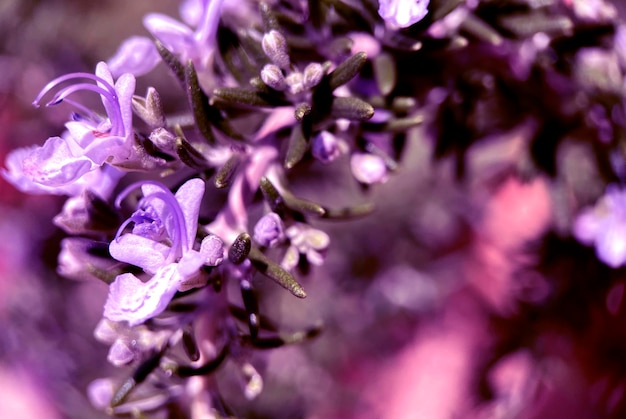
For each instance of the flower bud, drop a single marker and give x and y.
(273, 77)
(368, 168)
(295, 81)
(150, 109)
(326, 147)
(313, 74)
(163, 140)
(275, 47)
(269, 230)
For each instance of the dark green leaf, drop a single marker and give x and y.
(275, 272)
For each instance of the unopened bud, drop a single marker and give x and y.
(313, 74)
(275, 47)
(273, 77)
(269, 230)
(295, 82)
(326, 147)
(163, 140)
(150, 109)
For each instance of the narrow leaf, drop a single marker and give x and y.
(351, 108)
(347, 70)
(172, 62)
(198, 101)
(226, 172)
(240, 248)
(189, 155)
(298, 145)
(273, 271)
(385, 72)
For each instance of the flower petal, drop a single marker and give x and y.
(135, 301)
(137, 55)
(189, 196)
(139, 251)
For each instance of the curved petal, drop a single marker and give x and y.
(54, 165)
(173, 34)
(139, 251)
(135, 301)
(125, 88)
(189, 196)
(137, 55)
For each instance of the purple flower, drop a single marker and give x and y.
(402, 13)
(137, 55)
(128, 344)
(62, 164)
(269, 230)
(604, 226)
(162, 244)
(305, 240)
(189, 44)
(326, 147)
(368, 168)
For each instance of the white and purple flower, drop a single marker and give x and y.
(162, 244)
(402, 13)
(69, 164)
(604, 226)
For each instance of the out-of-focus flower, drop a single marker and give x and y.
(604, 226)
(593, 9)
(161, 216)
(326, 147)
(64, 165)
(137, 55)
(307, 241)
(402, 13)
(128, 344)
(368, 168)
(269, 230)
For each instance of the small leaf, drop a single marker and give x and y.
(303, 205)
(351, 108)
(141, 373)
(240, 248)
(272, 196)
(298, 145)
(347, 70)
(385, 72)
(480, 29)
(524, 26)
(349, 212)
(172, 62)
(246, 97)
(189, 155)
(273, 271)
(286, 339)
(198, 101)
(226, 172)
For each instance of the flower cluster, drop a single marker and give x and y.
(176, 210)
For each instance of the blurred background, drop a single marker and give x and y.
(455, 299)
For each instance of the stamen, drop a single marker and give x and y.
(179, 241)
(116, 120)
(179, 235)
(71, 76)
(103, 88)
